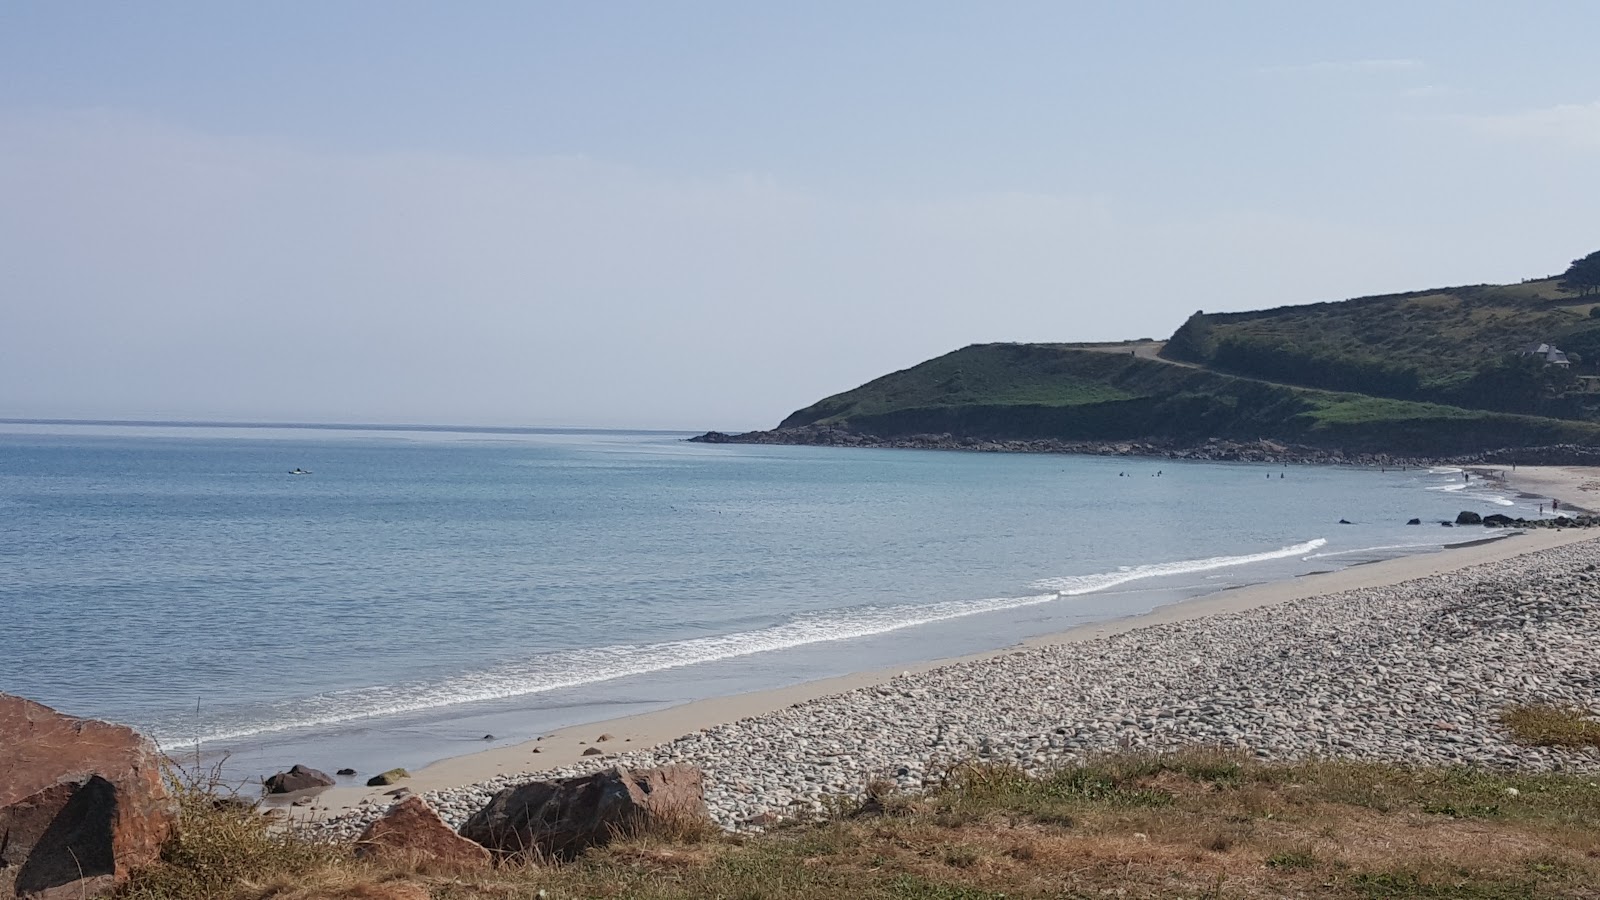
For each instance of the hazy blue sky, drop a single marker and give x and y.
(708, 214)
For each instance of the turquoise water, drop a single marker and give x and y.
(420, 588)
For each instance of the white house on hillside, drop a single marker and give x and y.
(1551, 355)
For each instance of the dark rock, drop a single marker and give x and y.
(1468, 517)
(82, 803)
(411, 833)
(345, 772)
(1496, 520)
(390, 777)
(1346, 522)
(488, 737)
(298, 778)
(563, 818)
(1414, 522)
(593, 751)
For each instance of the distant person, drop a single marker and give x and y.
(1541, 509)
(1466, 476)
(1555, 505)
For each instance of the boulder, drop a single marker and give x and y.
(411, 832)
(1414, 522)
(298, 778)
(345, 772)
(1496, 520)
(565, 817)
(82, 803)
(392, 776)
(1468, 517)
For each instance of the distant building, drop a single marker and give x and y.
(1548, 352)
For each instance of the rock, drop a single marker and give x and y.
(345, 772)
(608, 736)
(488, 737)
(565, 817)
(82, 803)
(1468, 517)
(1346, 522)
(593, 751)
(1496, 520)
(390, 777)
(1414, 522)
(411, 832)
(764, 819)
(298, 778)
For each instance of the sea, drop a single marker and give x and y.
(417, 589)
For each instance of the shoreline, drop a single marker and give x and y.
(1577, 487)
(565, 747)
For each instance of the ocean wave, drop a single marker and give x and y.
(1073, 585)
(1433, 544)
(592, 665)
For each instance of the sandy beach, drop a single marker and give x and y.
(632, 736)
(1577, 487)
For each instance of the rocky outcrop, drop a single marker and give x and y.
(563, 818)
(298, 778)
(412, 833)
(393, 776)
(1468, 517)
(82, 803)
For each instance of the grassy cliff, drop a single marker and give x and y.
(1427, 373)
(1029, 391)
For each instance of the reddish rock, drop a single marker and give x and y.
(412, 832)
(82, 803)
(565, 817)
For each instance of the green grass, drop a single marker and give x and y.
(1552, 726)
(1196, 824)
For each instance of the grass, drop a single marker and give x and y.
(1552, 726)
(1195, 824)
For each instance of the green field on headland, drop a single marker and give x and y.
(1430, 373)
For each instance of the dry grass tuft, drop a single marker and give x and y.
(1552, 726)
(223, 843)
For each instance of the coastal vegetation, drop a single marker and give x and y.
(1433, 373)
(1197, 823)
(1060, 391)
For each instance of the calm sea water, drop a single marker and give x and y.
(420, 588)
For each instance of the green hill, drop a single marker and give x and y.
(1454, 345)
(1429, 373)
(1032, 391)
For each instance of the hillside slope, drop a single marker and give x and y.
(1056, 391)
(1453, 345)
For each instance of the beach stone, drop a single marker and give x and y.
(593, 751)
(82, 803)
(411, 832)
(298, 778)
(563, 818)
(345, 772)
(1468, 517)
(387, 778)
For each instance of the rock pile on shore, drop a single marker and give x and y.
(1416, 673)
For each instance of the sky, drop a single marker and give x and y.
(705, 215)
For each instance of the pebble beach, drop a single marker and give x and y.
(1414, 672)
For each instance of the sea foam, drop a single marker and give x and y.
(592, 665)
